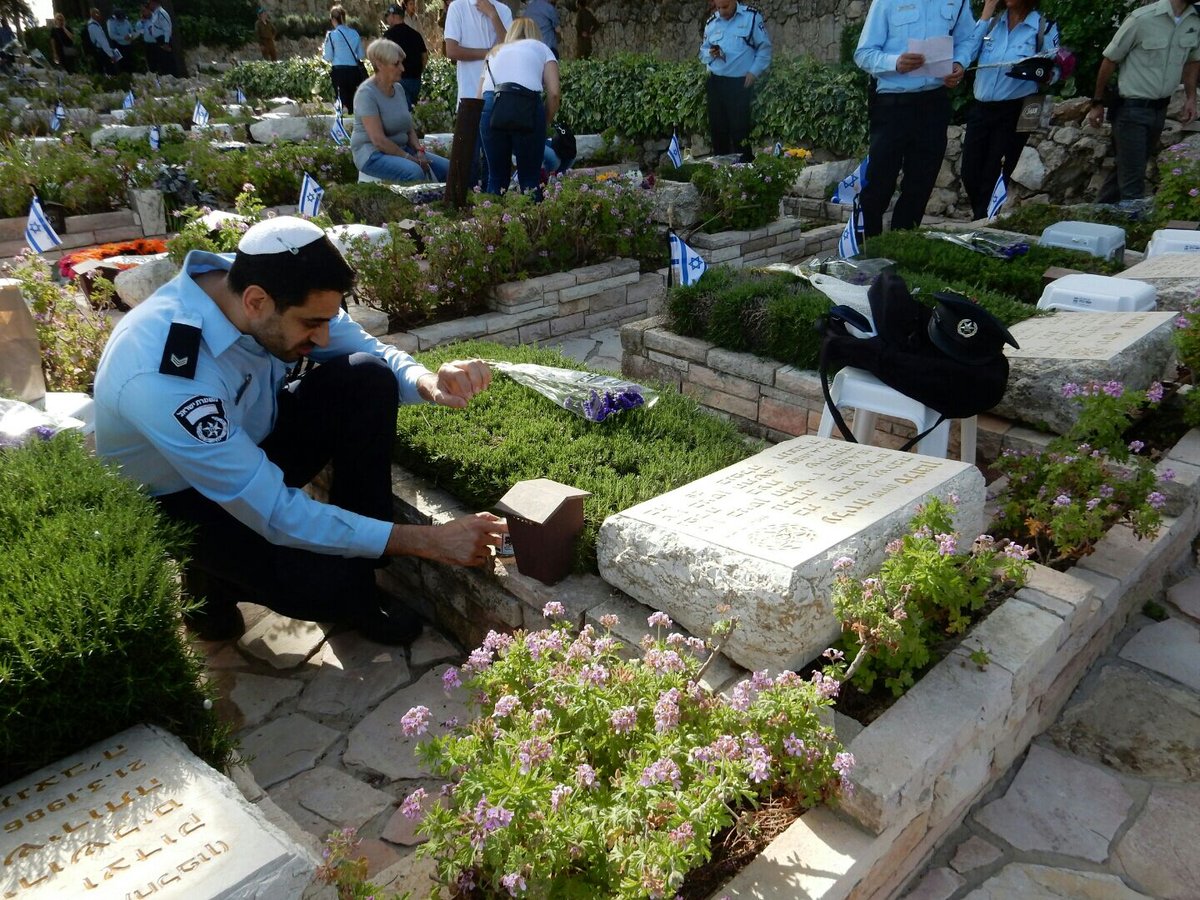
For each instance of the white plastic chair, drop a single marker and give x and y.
(869, 397)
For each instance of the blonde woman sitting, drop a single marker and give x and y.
(385, 143)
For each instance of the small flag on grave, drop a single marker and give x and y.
(999, 195)
(848, 245)
(338, 132)
(240, 96)
(778, 149)
(127, 103)
(686, 264)
(310, 196)
(38, 233)
(58, 117)
(851, 186)
(199, 114)
(674, 151)
(155, 137)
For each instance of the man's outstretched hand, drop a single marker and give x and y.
(466, 541)
(455, 383)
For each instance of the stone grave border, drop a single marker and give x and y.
(143, 218)
(923, 763)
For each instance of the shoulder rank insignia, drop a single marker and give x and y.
(181, 351)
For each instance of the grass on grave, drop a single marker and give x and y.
(511, 433)
(90, 635)
(1020, 277)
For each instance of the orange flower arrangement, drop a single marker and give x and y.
(139, 247)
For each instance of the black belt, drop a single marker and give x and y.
(909, 98)
(1160, 103)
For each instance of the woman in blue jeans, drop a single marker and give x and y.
(385, 143)
(522, 59)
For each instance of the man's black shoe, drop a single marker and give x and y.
(392, 626)
(220, 621)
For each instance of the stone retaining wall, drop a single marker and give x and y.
(81, 231)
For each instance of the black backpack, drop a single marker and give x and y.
(950, 358)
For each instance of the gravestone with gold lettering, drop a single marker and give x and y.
(1134, 349)
(761, 536)
(139, 816)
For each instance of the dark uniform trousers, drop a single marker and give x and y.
(991, 142)
(1137, 127)
(342, 413)
(908, 131)
(729, 114)
(346, 80)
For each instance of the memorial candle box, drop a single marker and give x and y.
(1173, 240)
(1105, 241)
(1098, 293)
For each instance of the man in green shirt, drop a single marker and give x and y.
(1157, 46)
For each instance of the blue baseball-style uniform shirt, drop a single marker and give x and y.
(343, 47)
(170, 433)
(999, 45)
(743, 41)
(891, 24)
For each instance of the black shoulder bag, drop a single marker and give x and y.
(515, 108)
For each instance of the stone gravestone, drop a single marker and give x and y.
(761, 536)
(1132, 348)
(1176, 277)
(139, 816)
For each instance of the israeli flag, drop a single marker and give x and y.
(338, 132)
(38, 233)
(848, 246)
(674, 151)
(999, 195)
(686, 264)
(337, 105)
(199, 114)
(310, 196)
(778, 149)
(127, 103)
(851, 186)
(155, 137)
(240, 96)
(58, 117)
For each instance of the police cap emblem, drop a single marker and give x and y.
(204, 419)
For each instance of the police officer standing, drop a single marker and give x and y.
(120, 35)
(157, 36)
(736, 50)
(1156, 47)
(103, 53)
(909, 111)
(198, 401)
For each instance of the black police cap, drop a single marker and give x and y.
(965, 331)
(1034, 68)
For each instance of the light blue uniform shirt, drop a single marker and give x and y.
(343, 47)
(742, 38)
(1001, 46)
(97, 36)
(891, 24)
(159, 25)
(120, 31)
(170, 433)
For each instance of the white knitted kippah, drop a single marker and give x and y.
(279, 234)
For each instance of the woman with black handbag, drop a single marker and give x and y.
(343, 50)
(515, 117)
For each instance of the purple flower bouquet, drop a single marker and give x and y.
(587, 394)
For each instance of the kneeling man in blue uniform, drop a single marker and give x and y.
(207, 394)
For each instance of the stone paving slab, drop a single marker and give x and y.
(937, 884)
(973, 853)
(353, 674)
(1021, 881)
(285, 747)
(283, 642)
(1135, 723)
(335, 798)
(1061, 805)
(256, 696)
(1160, 849)
(431, 647)
(1185, 596)
(1171, 648)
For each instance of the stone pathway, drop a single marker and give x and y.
(1106, 803)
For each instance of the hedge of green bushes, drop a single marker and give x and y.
(90, 636)
(510, 433)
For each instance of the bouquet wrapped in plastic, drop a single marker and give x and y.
(982, 242)
(589, 395)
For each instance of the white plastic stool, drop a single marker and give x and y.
(869, 397)
(364, 178)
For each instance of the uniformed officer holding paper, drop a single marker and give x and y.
(737, 51)
(197, 400)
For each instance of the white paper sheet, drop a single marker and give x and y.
(938, 53)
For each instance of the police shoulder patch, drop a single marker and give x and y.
(204, 419)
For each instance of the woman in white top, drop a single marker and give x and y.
(384, 143)
(522, 59)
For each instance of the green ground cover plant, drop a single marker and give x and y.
(1178, 195)
(90, 637)
(370, 204)
(1034, 218)
(84, 181)
(744, 196)
(1061, 501)
(510, 433)
(301, 78)
(1020, 277)
(590, 774)
(929, 588)
(1187, 343)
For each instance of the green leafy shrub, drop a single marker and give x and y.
(1020, 277)
(389, 278)
(1187, 343)
(1087, 28)
(925, 591)
(90, 638)
(86, 182)
(1063, 500)
(771, 314)
(744, 196)
(1034, 218)
(589, 774)
(72, 337)
(1178, 195)
(173, 108)
(371, 204)
(301, 78)
(510, 433)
